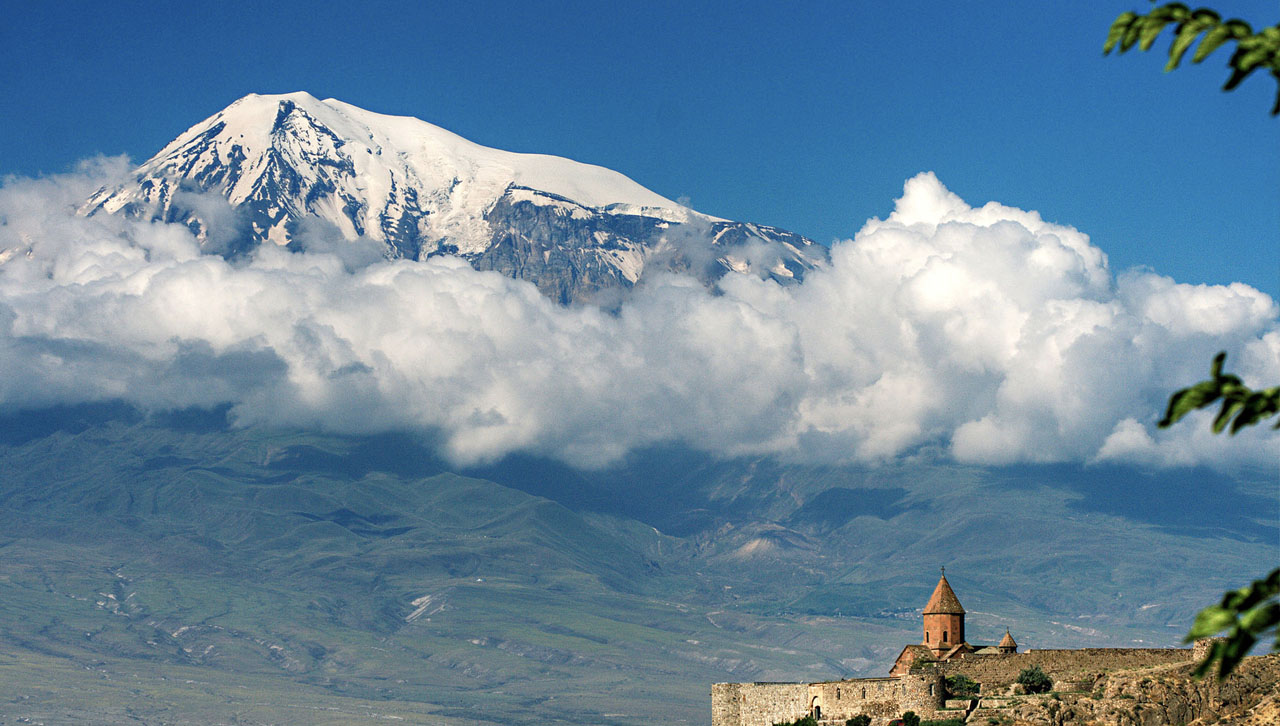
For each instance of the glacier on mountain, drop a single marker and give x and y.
(573, 229)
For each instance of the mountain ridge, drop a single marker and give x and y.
(415, 189)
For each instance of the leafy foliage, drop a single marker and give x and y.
(961, 686)
(910, 719)
(1035, 680)
(1254, 51)
(861, 719)
(1247, 614)
(955, 721)
(1251, 611)
(802, 721)
(1240, 402)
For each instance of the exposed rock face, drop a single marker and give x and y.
(285, 162)
(1161, 696)
(572, 253)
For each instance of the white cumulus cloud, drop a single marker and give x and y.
(983, 334)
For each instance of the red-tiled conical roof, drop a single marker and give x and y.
(943, 600)
(1007, 640)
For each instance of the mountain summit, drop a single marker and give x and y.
(574, 229)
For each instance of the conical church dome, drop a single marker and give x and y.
(943, 600)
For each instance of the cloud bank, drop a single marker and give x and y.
(983, 335)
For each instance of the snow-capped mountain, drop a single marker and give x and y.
(571, 228)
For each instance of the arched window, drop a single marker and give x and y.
(837, 693)
(926, 636)
(931, 689)
(944, 636)
(864, 691)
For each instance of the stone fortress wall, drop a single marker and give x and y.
(922, 691)
(877, 697)
(764, 704)
(920, 676)
(743, 704)
(1069, 669)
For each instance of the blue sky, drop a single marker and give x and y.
(808, 116)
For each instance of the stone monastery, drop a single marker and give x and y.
(917, 679)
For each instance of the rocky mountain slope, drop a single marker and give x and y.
(1159, 696)
(291, 166)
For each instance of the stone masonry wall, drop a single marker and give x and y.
(764, 704)
(757, 704)
(1069, 669)
(880, 698)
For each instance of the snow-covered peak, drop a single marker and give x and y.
(425, 143)
(255, 121)
(282, 162)
(386, 177)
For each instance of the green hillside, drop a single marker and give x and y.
(186, 573)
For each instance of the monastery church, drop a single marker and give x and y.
(944, 634)
(917, 680)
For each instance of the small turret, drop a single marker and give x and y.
(1006, 643)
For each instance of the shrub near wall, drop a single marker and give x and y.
(1034, 680)
(961, 686)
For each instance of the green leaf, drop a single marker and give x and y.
(1212, 41)
(1261, 618)
(1230, 386)
(1237, 75)
(1247, 407)
(1130, 36)
(1207, 15)
(1258, 406)
(1229, 408)
(1172, 11)
(1246, 613)
(1239, 29)
(1189, 399)
(1275, 111)
(1268, 586)
(1215, 368)
(1251, 58)
(1234, 650)
(1253, 51)
(1210, 621)
(1150, 30)
(1187, 34)
(1118, 29)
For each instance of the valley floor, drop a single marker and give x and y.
(188, 573)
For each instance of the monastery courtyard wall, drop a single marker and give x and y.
(1069, 669)
(921, 670)
(747, 704)
(922, 691)
(764, 704)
